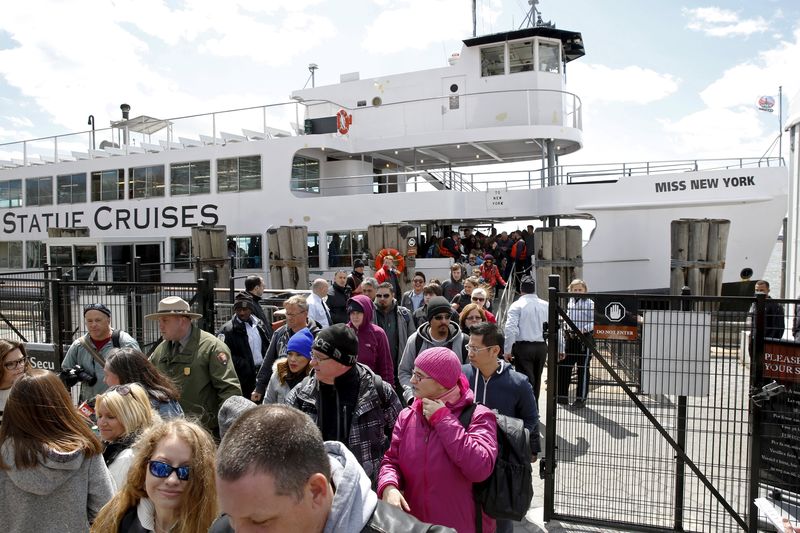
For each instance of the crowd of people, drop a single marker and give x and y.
(344, 417)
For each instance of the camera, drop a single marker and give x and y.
(77, 374)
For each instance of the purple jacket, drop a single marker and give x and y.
(373, 345)
(435, 463)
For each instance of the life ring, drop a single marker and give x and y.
(399, 260)
(343, 121)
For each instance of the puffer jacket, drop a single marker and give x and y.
(436, 462)
(282, 381)
(373, 345)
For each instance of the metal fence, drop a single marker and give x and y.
(669, 438)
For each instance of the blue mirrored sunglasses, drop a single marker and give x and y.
(163, 470)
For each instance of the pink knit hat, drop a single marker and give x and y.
(441, 364)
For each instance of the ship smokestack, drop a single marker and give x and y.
(126, 109)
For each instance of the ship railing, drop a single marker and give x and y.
(542, 107)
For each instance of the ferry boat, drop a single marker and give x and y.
(417, 148)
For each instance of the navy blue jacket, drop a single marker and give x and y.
(509, 393)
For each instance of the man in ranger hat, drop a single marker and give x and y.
(198, 362)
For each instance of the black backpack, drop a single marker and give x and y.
(507, 492)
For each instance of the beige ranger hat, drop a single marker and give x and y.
(173, 306)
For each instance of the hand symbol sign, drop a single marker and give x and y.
(615, 311)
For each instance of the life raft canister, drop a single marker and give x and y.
(343, 121)
(399, 260)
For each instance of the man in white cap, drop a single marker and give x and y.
(197, 361)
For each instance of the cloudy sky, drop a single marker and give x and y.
(660, 80)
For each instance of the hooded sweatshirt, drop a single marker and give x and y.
(454, 341)
(64, 492)
(353, 500)
(373, 345)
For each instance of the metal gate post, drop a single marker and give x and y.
(756, 347)
(57, 323)
(206, 290)
(552, 372)
(232, 280)
(680, 464)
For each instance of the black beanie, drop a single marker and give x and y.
(338, 342)
(527, 285)
(436, 305)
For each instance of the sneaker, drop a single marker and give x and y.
(579, 404)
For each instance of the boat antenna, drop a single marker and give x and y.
(534, 18)
(311, 68)
(474, 18)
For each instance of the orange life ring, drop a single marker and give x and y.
(399, 260)
(343, 121)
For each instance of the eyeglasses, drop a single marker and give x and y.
(294, 314)
(441, 317)
(163, 470)
(419, 377)
(417, 280)
(478, 299)
(474, 349)
(383, 295)
(13, 365)
(317, 358)
(474, 318)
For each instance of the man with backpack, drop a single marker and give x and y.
(90, 350)
(499, 387)
(437, 331)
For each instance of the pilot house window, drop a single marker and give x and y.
(520, 57)
(549, 60)
(493, 60)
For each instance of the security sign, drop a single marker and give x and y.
(616, 318)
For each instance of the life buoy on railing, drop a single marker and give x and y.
(343, 121)
(399, 260)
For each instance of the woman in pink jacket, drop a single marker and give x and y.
(433, 461)
(373, 345)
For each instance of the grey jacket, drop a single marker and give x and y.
(405, 324)
(454, 340)
(78, 355)
(63, 493)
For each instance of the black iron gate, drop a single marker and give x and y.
(669, 438)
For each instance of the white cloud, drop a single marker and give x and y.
(718, 132)
(743, 84)
(631, 84)
(19, 122)
(415, 24)
(718, 22)
(70, 70)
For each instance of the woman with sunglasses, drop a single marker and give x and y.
(13, 364)
(471, 315)
(481, 297)
(52, 474)
(170, 486)
(129, 365)
(433, 460)
(123, 413)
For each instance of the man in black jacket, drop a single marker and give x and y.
(247, 339)
(254, 288)
(273, 467)
(338, 294)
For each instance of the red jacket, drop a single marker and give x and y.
(435, 463)
(491, 275)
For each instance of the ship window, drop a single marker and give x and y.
(108, 185)
(549, 60)
(239, 174)
(383, 183)
(520, 57)
(71, 188)
(11, 254)
(346, 246)
(305, 174)
(313, 250)
(146, 182)
(181, 253)
(11, 193)
(36, 254)
(39, 191)
(246, 249)
(493, 60)
(193, 177)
